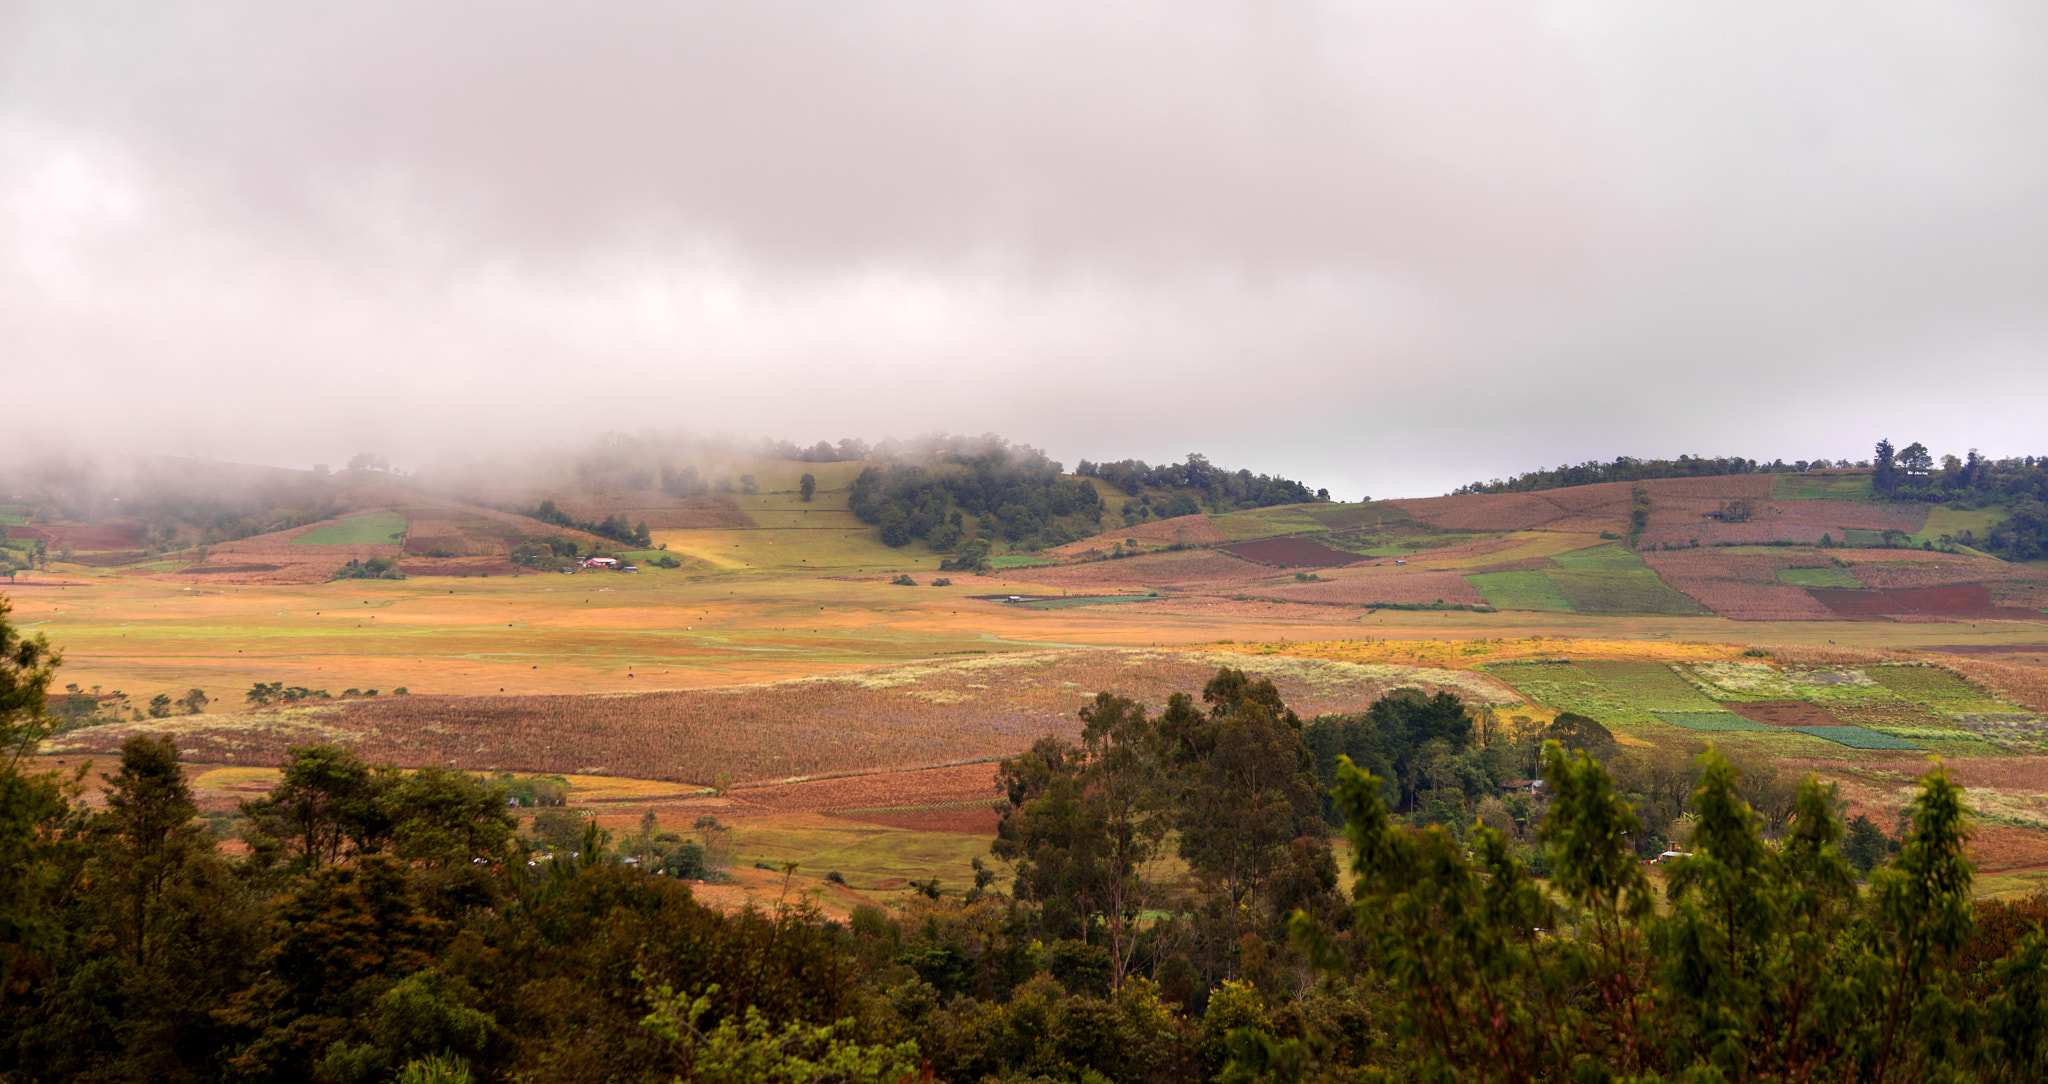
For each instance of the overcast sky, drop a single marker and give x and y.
(1382, 247)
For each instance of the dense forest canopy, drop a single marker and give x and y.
(1217, 489)
(1629, 469)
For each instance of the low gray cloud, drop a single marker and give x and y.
(1385, 247)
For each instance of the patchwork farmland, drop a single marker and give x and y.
(784, 643)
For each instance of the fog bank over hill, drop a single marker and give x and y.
(1391, 248)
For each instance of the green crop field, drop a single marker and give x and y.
(1611, 557)
(1819, 577)
(1838, 487)
(1717, 720)
(1855, 737)
(1952, 521)
(1267, 522)
(1568, 687)
(1650, 685)
(1620, 592)
(1020, 560)
(1938, 689)
(1086, 600)
(369, 529)
(1520, 591)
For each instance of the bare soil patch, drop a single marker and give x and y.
(1485, 511)
(932, 786)
(1956, 600)
(895, 718)
(1293, 553)
(1785, 713)
(1190, 570)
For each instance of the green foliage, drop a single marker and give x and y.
(1714, 720)
(756, 1052)
(375, 568)
(1018, 492)
(807, 485)
(613, 526)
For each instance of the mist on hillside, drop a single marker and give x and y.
(1394, 247)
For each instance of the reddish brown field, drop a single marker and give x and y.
(1485, 511)
(2011, 678)
(1292, 553)
(1722, 488)
(2013, 581)
(931, 786)
(889, 719)
(1956, 601)
(1785, 713)
(1203, 570)
(1195, 530)
(1741, 586)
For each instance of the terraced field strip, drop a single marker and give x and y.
(1530, 546)
(1520, 591)
(1610, 557)
(1855, 737)
(1636, 591)
(1086, 600)
(1939, 689)
(369, 529)
(1724, 720)
(1804, 487)
(1569, 687)
(1268, 522)
(1819, 577)
(1652, 685)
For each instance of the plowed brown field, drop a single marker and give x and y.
(1959, 600)
(1784, 713)
(1292, 553)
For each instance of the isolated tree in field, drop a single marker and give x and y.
(806, 485)
(160, 706)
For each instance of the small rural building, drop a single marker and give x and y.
(599, 562)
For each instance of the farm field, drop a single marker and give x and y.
(368, 529)
(781, 650)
